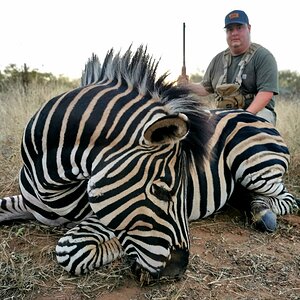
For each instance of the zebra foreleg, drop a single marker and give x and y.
(87, 246)
(13, 208)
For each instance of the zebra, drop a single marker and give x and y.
(127, 160)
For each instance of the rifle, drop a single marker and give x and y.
(183, 69)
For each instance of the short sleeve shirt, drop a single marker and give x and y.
(260, 74)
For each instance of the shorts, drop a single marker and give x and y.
(267, 114)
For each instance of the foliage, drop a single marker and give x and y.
(289, 83)
(25, 77)
(196, 77)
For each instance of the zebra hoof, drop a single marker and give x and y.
(265, 220)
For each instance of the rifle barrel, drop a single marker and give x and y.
(184, 44)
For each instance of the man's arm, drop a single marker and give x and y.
(260, 101)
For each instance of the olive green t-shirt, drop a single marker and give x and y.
(260, 74)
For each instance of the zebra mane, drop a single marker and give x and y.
(138, 69)
(182, 100)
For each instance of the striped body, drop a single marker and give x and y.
(245, 152)
(130, 160)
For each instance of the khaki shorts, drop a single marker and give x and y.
(268, 115)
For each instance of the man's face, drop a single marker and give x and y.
(238, 37)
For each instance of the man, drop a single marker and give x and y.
(243, 76)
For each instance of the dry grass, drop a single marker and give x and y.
(229, 259)
(28, 266)
(289, 127)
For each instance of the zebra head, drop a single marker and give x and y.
(138, 186)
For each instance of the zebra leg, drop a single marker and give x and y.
(264, 208)
(87, 246)
(14, 208)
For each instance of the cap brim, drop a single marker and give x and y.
(231, 23)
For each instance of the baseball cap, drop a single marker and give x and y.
(236, 17)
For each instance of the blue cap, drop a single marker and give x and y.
(236, 17)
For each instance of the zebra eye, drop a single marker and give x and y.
(161, 193)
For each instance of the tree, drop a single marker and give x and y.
(25, 77)
(196, 77)
(289, 83)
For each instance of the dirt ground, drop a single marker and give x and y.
(228, 260)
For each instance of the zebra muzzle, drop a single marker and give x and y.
(177, 264)
(174, 269)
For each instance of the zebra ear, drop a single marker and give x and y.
(167, 130)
